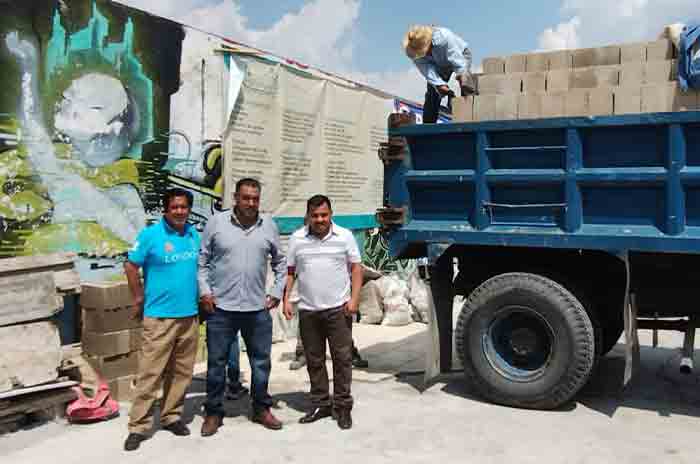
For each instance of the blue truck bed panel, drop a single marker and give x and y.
(608, 183)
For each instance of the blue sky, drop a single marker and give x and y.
(360, 39)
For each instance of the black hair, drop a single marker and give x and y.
(316, 201)
(250, 182)
(176, 192)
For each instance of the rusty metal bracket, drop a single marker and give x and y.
(394, 150)
(397, 120)
(389, 217)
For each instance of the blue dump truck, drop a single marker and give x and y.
(560, 233)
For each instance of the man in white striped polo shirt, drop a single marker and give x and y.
(325, 259)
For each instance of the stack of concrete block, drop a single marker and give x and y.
(31, 293)
(111, 335)
(619, 79)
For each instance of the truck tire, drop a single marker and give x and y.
(525, 341)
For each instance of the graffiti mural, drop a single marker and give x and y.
(85, 106)
(102, 108)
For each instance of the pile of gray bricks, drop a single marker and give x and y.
(617, 79)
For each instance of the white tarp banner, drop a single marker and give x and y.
(301, 136)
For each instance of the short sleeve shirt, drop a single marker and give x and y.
(322, 267)
(169, 262)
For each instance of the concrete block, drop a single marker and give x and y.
(113, 367)
(500, 84)
(598, 76)
(494, 65)
(28, 297)
(537, 62)
(516, 64)
(109, 320)
(660, 50)
(530, 106)
(29, 355)
(561, 59)
(632, 74)
(553, 105)
(534, 82)
(123, 388)
(627, 100)
(111, 343)
(558, 80)
(495, 107)
(633, 53)
(668, 98)
(658, 72)
(105, 295)
(647, 73)
(674, 70)
(463, 109)
(600, 101)
(576, 102)
(603, 56)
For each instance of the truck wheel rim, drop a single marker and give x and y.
(519, 344)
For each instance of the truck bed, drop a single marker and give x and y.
(605, 183)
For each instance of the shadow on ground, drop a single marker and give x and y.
(658, 386)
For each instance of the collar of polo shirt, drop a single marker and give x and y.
(331, 231)
(170, 230)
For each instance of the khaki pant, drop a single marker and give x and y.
(167, 359)
(334, 326)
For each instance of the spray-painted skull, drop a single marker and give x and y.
(99, 117)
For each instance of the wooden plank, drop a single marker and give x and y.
(67, 281)
(39, 388)
(32, 263)
(29, 355)
(39, 402)
(61, 264)
(28, 297)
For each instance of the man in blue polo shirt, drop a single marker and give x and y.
(167, 251)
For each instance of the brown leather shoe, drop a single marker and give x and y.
(267, 420)
(211, 425)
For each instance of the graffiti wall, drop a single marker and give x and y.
(102, 108)
(93, 126)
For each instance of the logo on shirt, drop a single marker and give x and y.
(136, 246)
(169, 247)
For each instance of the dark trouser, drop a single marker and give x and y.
(222, 329)
(431, 107)
(334, 326)
(299, 349)
(233, 367)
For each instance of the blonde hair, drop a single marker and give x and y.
(417, 41)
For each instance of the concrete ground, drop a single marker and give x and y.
(653, 421)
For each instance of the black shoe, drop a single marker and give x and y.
(235, 392)
(357, 360)
(344, 419)
(316, 414)
(133, 441)
(177, 428)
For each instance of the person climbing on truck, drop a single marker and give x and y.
(438, 53)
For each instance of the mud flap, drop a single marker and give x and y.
(432, 353)
(631, 336)
(437, 357)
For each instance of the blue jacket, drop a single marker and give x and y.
(446, 58)
(689, 65)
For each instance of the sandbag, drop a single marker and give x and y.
(397, 311)
(371, 303)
